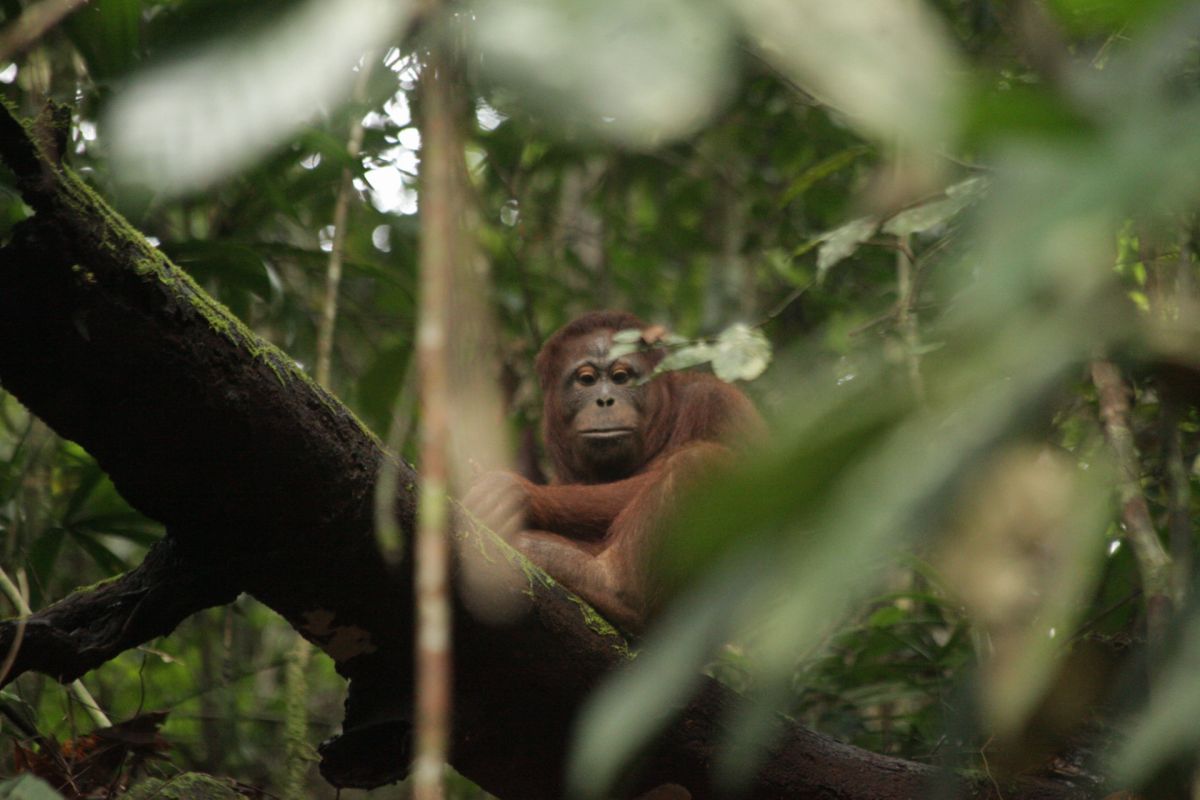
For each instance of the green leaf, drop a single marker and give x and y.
(12, 211)
(886, 617)
(92, 476)
(27, 787)
(19, 713)
(821, 170)
(43, 556)
(377, 389)
(185, 786)
(997, 116)
(109, 561)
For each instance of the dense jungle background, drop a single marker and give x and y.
(948, 247)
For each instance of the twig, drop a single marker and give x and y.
(906, 297)
(18, 597)
(779, 308)
(1153, 561)
(337, 252)
(906, 319)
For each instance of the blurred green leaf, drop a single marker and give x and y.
(236, 273)
(27, 787)
(658, 682)
(1107, 15)
(12, 211)
(43, 554)
(829, 166)
(642, 72)
(1167, 727)
(888, 66)
(381, 382)
(1014, 109)
(109, 561)
(180, 127)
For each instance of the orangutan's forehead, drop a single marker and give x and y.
(599, 343)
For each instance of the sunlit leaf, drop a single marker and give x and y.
(684, 357)
(638, 71)
(185, 125)
(741, 353)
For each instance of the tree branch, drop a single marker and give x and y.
(85, 630)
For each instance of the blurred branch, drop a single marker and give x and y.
(33, 23)
(1153, 562)
(440, 230)
(906, 295)
(906, 318)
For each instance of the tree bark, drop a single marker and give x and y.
(265, 483)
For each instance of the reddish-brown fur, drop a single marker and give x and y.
(593, 528)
